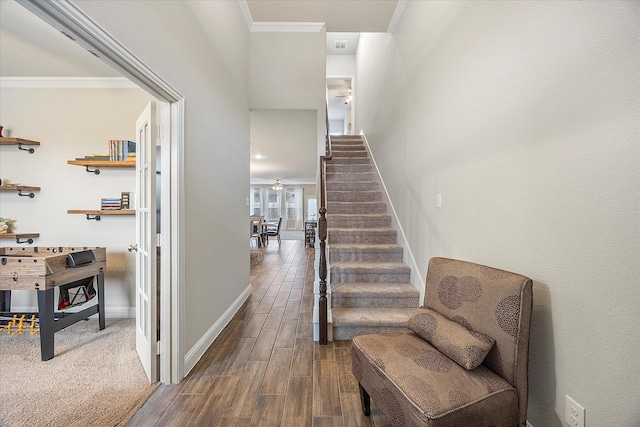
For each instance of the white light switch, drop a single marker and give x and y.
(438, 200)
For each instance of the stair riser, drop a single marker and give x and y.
(368, 239)
(365, 176)
(363, 232)
(338, 301)
(350, 161)
(342, 256)
(345, 154)
(354, 196)
(357, 207)
(349, 140)
(339, 148)
(352, 185)
(369, 277)
(349, 168)
(369, 223)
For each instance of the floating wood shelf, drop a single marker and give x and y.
(97, 164)
(97, 213)
(19, 142)
(19, 236)
(20, 189)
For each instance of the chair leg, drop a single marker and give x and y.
(366, 401)
(279, 239)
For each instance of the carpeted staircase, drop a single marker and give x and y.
(370, 288)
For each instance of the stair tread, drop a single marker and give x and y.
(374, 288)
(372, 317)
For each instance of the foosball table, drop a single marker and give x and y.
(71, 270)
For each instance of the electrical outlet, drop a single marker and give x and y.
(573, 413)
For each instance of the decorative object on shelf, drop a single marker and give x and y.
(277, 186)
(124, 200)
(5, 225)
(1, 128)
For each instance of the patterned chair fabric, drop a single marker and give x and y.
(414, 384)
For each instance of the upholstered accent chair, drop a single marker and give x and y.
(463, 360)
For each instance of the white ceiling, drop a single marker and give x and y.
(29, 47)
(347, 16)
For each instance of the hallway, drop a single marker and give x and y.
(265, 369)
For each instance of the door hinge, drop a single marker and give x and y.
(158, 240)
(158, 348)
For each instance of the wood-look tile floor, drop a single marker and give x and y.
(264, 369)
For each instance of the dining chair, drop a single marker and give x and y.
(273, 230)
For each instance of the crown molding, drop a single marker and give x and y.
(397, 14)
(287, 27)
(67, 83)
(246, 12)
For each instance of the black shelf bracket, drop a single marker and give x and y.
(96, 171)
(29, 195)
(95, 217)
(29, 241)
(30, 150)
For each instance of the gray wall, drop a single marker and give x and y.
(524, 117)
(202, 50)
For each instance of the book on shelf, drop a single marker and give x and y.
(119, 149)
(110, 203)
(105, 157)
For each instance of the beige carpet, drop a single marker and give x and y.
(94, 379)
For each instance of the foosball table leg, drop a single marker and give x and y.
(101, 316)
(46, 316)
(5, 301)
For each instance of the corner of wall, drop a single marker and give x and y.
(198, 350)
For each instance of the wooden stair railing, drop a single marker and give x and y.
(322, 236)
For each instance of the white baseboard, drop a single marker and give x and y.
(196, 352)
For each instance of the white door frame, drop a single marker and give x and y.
(65, 16)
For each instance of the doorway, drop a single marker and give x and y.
(65, 17)
(340, 103)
